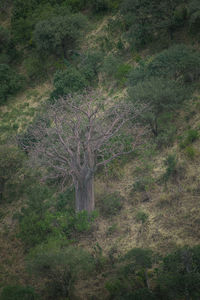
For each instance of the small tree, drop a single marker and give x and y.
(140, 18)
(161, 96)
(81, 138)
(179, 275)
(68, 81)
(59, 34)
(11, 82)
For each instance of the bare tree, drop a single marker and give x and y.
(78, 136)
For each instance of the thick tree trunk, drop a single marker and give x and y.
(85, 195)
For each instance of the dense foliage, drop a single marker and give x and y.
(144, 53)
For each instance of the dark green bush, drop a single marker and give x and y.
(142, 184)
(60, 267)
(191, 136)
(110, 66)
(179, 275)
(179, 62)
(190, 152)
(111, 204)
(160, 96)
(138, 73)
(100, 6)
(131, 276)
(18, 292)
(4, 38)
(171, 167)
(194, 17)
(67, 82)
(59, 35)
(113, 68)
(122, 73)
(11, 161)
(8, 50)
(4, 5)
(11, 82)
(149, 20)
(27, 14)
(65, 200)
(140, 18)
(141, 216)
(91, 62)
(35, 67)
(35, 223)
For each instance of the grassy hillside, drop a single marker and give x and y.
(147, 200)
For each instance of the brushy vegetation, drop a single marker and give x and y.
(143, 54)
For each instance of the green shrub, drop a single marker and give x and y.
(110, 66)
(65, 200)
(99, 5)
(179, 62)
(4, 38)
(179, 275)
(130, 278)
(8, 50)
(167, 132)
(59, 35)
(112, 229)
(138, 74)
(18, 292)
(190, 152)
(161, 96)
(148, 21)
(141, 216)
(171, 167)
(60, 267)
(90, 65)
(142, 184)
(122, 73)
(35, 68)
(67, 82)
(99, 258)
(191, 136)
(139, 26)
(35, 223)
(11, 82)
(111, 204)
(194, 16)
(11, 161)
(34, 229)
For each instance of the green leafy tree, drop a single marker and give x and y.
(67, 82)
(10, 81)
(140, 19)
(170, 15)
(26, 14)
(179, 62)
(11, 161)
(59, 35)
(160, 96)
(194, 17)
(4, 38)
(60, 266)
(179, 276)
(131, 279)
(18, 292)
(90, 64)
(7, 47)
